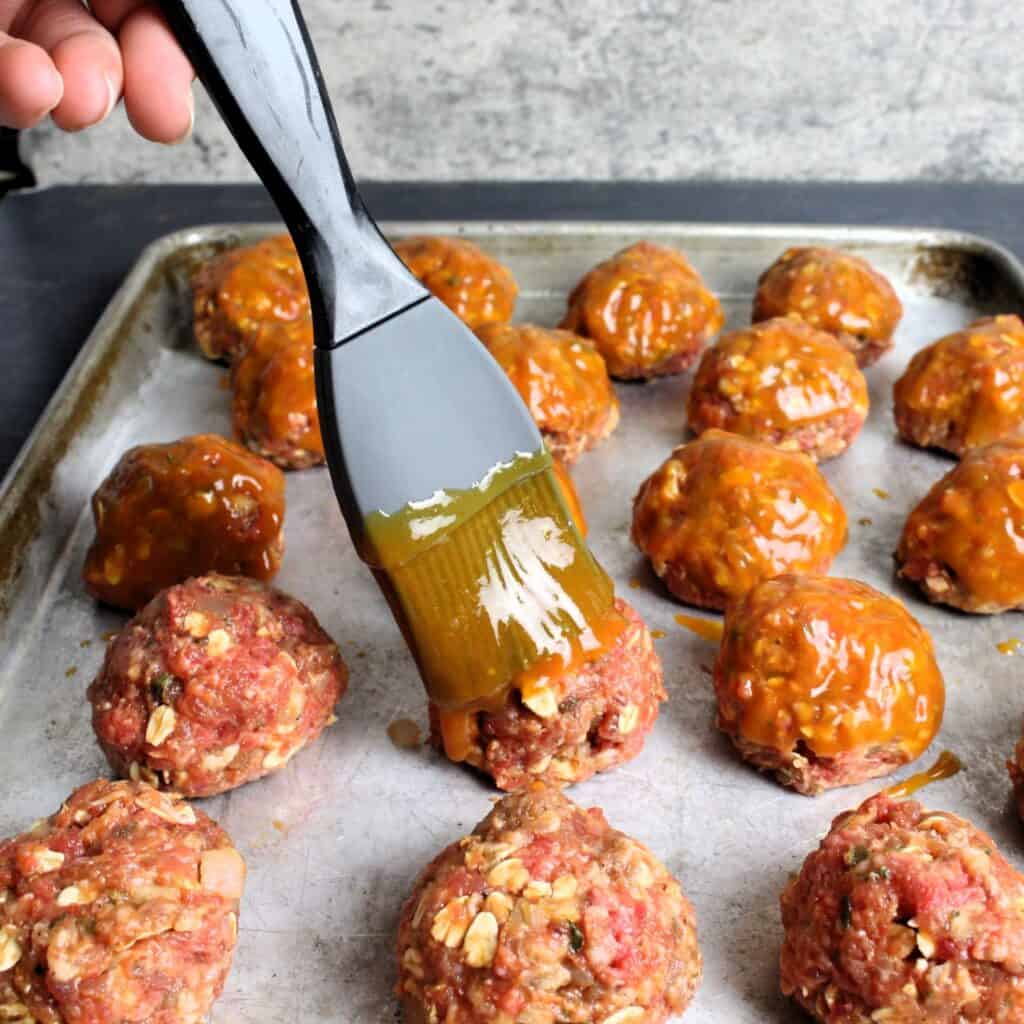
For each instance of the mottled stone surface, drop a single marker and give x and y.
(521, 89)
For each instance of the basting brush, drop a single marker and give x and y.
(440, 472)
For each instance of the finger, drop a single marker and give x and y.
(30, 85)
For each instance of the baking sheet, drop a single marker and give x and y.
(336, 839)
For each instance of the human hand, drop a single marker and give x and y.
(73, 62)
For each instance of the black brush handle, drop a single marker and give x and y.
(256, 60)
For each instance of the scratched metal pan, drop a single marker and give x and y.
(335, 840)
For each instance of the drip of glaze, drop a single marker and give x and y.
(1009, 647)
(405, 734)
(946, 766)
(708, 629)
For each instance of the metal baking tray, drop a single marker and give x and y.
(336, 839)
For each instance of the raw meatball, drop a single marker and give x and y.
(588, 720)
(546, 914)
(171, 511)
(905, 915)
(215, 683)
(243, 288)
(1016, 769)
(962, 545)
(563, 381)
(647, 311)
(571, 495)
(473, 285)
(122, 907)
(836, 292)
(723, 513)
(783, 382)
(966, 389)
(274, 408)
(826, 682)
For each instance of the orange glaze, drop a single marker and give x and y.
(1009, 647)
(946, 766)
(571, 495)
(707, 629)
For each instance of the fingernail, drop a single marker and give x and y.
(113, 95)
(57, 87)
(187, 134)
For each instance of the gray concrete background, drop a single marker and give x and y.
(648, 89)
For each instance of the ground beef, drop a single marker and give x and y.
(590, 720)
(826, 682)
(215, 683)
(964, 390)
(723, 513)
(646, 310)
(562, 379)
(122, 907)
(905, 916)
(836, 292)
(782, 382)
(546, 914)
(1015, 766)
(963, 545)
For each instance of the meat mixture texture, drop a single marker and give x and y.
(907, 916)
(783, 382)
(473, 285)
(962, 545)
(646, 310)
(723, 513)
(1015, 766)
(243, 288)
(546, 914)
(826, 682)
(121, 907)
(171, 511)
(574, 725)
(562, 379)
(215, 683)
(966, 389)
(836, 292)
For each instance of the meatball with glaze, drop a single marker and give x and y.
(121, 907)
(826, 682)
(723, 513)
(546, 914)
(588, 719)
(782, 382)
(905, 915)
(966, 389)
(171, 511)
(646, 310)
(835, 292)
(563, 381)
(215, 683)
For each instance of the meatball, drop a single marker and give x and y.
(1015, 766)
(274, 407)
(783, 382)
(836, 292)
(723, 513)
(546, 914)
(571, 495)
(563, 381)
(646, 310)
(215, 683)
(964, 390)
(962, 544)
(586, 720)
(122, 906)
(474, 286)
(243, 288)
(905, 915)
(171, 511)
(826, 682)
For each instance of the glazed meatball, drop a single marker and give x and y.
(962, 544)
(215, 683)
(571, 495)
(243, 288)
(474, 286)
(964, 390)
(563, 381)
(836, 292)
(905, 915)
(723, 513)
(171, 511)
(121, 907)
(826, 682)
(646, 310)
(783, 382)
(583, 721)
(546, 914)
